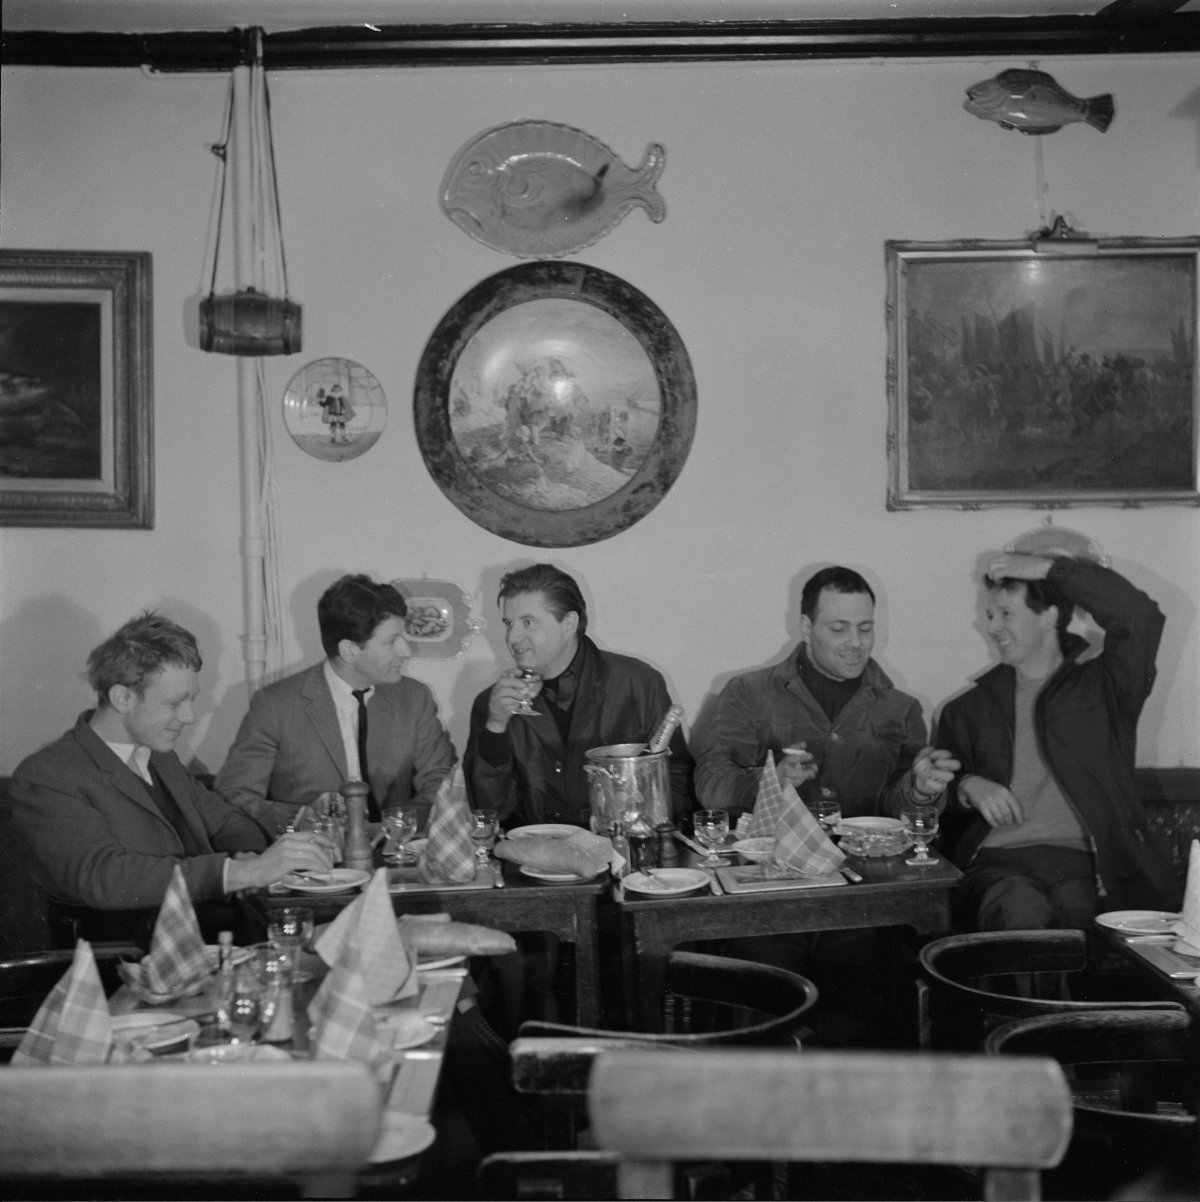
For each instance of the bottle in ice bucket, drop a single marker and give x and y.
(662, 736)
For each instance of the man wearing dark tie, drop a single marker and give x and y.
(108, 810)
(354, 716)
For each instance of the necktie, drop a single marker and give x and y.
(360, 695)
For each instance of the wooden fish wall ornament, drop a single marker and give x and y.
(1035, 103)
(537, 189)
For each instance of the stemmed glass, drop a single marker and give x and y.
(484, 825)
(289, 930)
(921, 821)
(711, 828)
(533, 682)
(399, 824)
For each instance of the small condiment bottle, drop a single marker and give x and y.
(224, 986)
(643, 849)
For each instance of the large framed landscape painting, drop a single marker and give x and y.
(555, 404)
(1021, 377)
(76, 417)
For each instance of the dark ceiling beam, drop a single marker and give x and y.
(532, 45)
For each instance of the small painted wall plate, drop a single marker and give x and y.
(334, 409)
(439, 623)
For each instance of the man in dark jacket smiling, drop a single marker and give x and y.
(1051, 828)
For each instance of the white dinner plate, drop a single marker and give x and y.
(755, 850)
(869, 824)
(401, 1135)
(403, 1029)
(444, 962)
(342, 879)
(667, 882)
(552, 830)
(555, 878)
(141, 1027)
(239, 1053)
(1138, 922)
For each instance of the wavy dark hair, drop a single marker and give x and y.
(561, 592)
(352, 607)
(1039, 596)
(841, 580)
(142, 647)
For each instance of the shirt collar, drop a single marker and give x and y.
(135, 756)
(343, 690)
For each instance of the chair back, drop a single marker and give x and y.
(714, 1000)
(1131, 1072)
(27, 979)
(316, 1122)
(1010, 1117)
(971, 984)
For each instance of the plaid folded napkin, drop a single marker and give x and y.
(368, 925)
(73, 1025)
(768, 805)
(449, 854)
(1188, 926)
(801, 846)
(177, 958)
(343, 1023)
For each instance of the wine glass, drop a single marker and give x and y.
(533, 681)
(290, 928)
(711, 828)
(921, 821)
(484, 824)
(399, 824)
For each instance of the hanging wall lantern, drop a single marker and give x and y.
(250, 320)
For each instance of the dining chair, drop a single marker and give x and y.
(709, 1001)
(188, 1129)
(1008, 1118)
(970, 984)
(27, 979)
(1134, 1088)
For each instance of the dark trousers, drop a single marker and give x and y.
(1029, 889)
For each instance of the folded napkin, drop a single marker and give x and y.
(581, 853)
(343, 1023)
(801, 847)
(769, 803)
(73, 1025)
(449, 854)
(177, 962)
(1188, 926)
(368, 925)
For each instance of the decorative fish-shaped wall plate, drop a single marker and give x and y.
(1035, 103)
(538, 189)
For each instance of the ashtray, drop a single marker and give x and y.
(873, 837)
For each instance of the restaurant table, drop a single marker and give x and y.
(891, 894)
(409, 1082)
(567, 911)
(1134, 949)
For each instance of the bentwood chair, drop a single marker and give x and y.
(27, 979)
(1134, 1086)
(971, 984)
(1010, 1118)
(710, 1001)
(654, 1111)
(186, 1130)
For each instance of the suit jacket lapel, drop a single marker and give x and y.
(175, 779)
(321, 713)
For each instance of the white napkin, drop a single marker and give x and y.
(369, 925)
(1188, 926)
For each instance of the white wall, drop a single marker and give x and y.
(782, 183)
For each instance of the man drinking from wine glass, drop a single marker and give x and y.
(108, 810)
(529, 767)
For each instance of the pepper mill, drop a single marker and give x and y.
(357, 852)
(667, 854)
